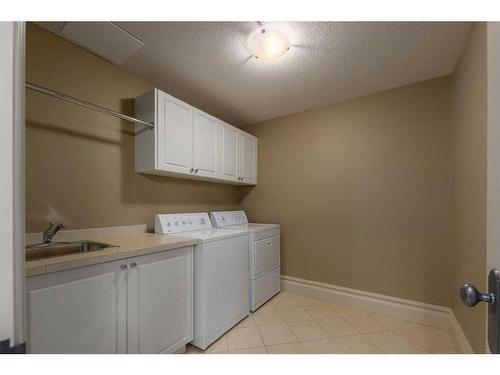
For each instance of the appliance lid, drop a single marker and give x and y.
(178, 223)
(254, 227)
(221, 219)
(207, 235)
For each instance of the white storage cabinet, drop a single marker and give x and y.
(135, 305)
(189, 143)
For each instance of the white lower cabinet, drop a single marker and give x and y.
(78, 311)
(160, 302)
(135, 305)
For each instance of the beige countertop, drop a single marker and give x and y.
(127, 246)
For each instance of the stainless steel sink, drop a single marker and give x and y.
(56, 249)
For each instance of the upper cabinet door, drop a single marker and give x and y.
(229, 152)
(175, 134)
(205, 145)
(248, 158)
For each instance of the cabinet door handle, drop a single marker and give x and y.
(191, 170)
(133, 265)
(195, 171)
(268, 243)
(124, 267)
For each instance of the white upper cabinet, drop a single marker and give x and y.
(247, 162)
(186, 142)
(229, 152)
(205, 145)
(175, 134)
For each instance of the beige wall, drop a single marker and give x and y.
(79, 163)
(468, 88)
(362, 190)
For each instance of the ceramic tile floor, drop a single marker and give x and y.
(292, 324)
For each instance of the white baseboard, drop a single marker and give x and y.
(413, 311)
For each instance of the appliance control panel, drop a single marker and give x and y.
(176, 223)
(228, 218)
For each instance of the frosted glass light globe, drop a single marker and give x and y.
(268, 44)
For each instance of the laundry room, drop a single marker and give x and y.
(247, 187)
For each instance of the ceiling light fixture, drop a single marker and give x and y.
(268, 44)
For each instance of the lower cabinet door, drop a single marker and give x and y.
(81, 310)
(160, 301)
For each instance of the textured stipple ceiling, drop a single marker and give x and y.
(208, 64)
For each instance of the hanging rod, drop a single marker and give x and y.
(83, 103)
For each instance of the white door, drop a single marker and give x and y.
(160, 301)
(12, 182)
(490, 292)
(493, 164)
(229, 152)
(81, 310)
(205, 145)
(175, 134)
(248, 158)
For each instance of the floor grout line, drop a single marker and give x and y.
(271, 303)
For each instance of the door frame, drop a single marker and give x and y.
(12, 228)
(493, 154)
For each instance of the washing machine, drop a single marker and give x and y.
(263, 250)
(221, 273)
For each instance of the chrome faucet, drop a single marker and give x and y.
(51, 231)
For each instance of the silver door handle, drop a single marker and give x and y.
(133, 265)
(471, 296)
(268, 243)
(196, 171)
(124, 267)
